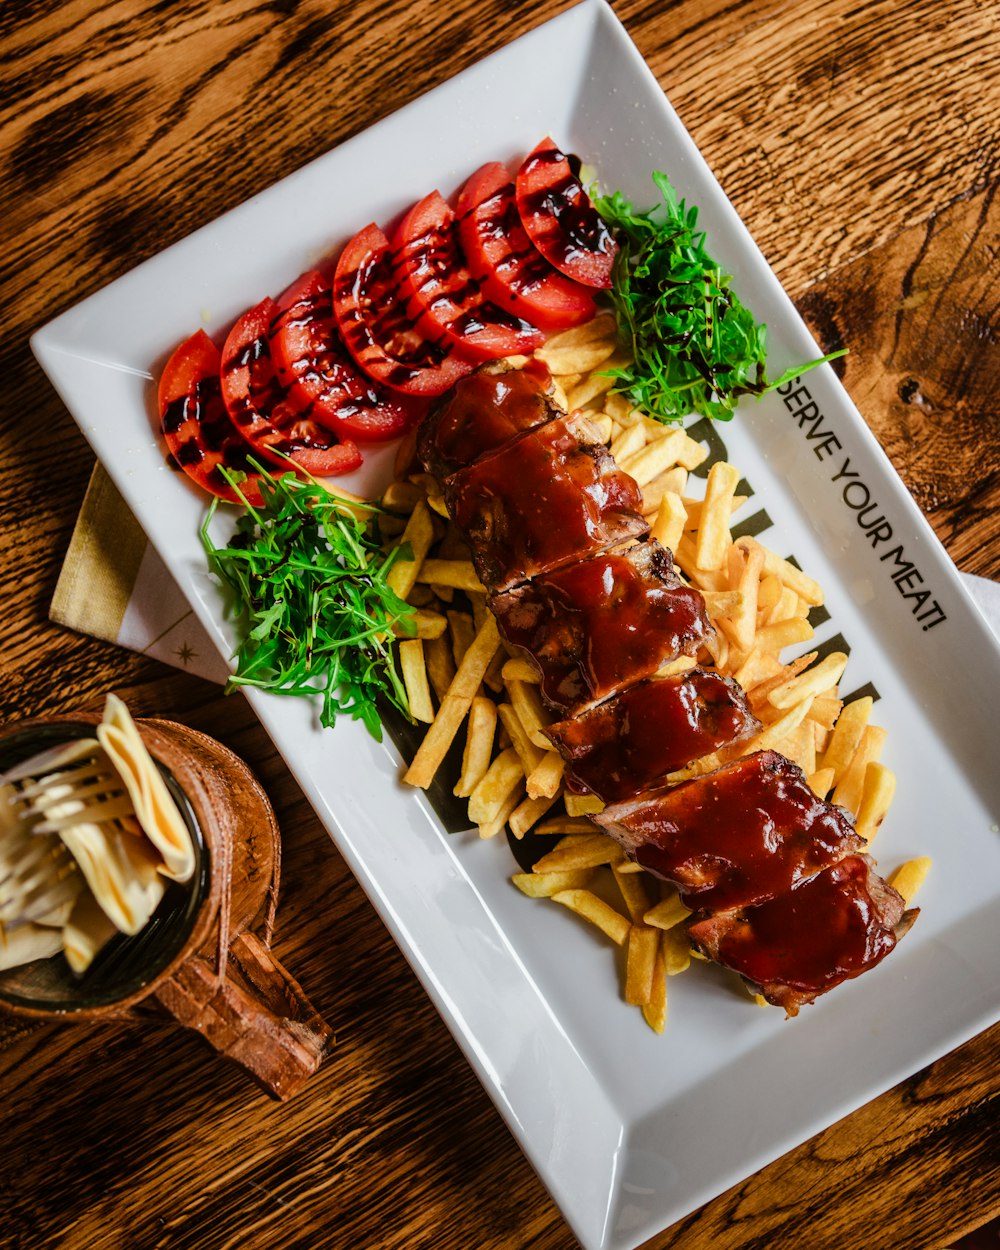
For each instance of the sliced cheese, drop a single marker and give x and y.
(86, 932)
(155, 808)
(121, 870)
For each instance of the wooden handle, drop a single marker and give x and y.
(261, 1021)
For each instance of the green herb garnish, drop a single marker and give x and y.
(695, 345)
(310, 580)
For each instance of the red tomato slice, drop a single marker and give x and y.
(560, 219)
(321, 379)
(261, 409)
(511, 270)
(199, 435)
(446, 300)
(376, 328)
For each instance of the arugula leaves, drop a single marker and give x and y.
(696, 347)
(310, 580)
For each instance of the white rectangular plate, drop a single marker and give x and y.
(628, 1130)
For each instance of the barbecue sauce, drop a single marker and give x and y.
(549, 497)
(741, 835)
(827, 929)
(484, 412)
(594, 626)
(772, 872)
(632, 741)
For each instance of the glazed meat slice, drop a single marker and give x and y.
(743, 834)
(829, 928)
(633, 740)
(597, 625)
(551, 496)
(481, 413)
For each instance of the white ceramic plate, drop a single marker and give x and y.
(628, 1130)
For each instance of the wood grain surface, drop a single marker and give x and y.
(859, 144)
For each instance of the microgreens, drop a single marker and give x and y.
(695, 345)
(309, 579)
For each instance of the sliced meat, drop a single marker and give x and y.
(552, 496)
(743, 834)
(595, 626)
(781, 894)
(827, 929)
(632, 741)
(481, 413)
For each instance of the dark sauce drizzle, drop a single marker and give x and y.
(263, 411)
(440, 276)
(326, 364)
(565, 200)
(374, 319)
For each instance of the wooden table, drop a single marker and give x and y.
(858, 143)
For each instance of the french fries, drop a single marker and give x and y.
(545, 779)
(582, 804)
(454, 706)
(655, 1011)
(503, 814)
(495, 788)
(671, 517)
(414, 671)
(528, 813)
(527, 703)
(713, 541)
(877, 793)
(429, 624)
(530, 754)
(440, 661)
(457, 673)
(846, 736)
(581, 851)
(640, 965)
(517, 669)
(458, 574)
(634, 892)
(478, 745)
(594, 909)
(545, 884)
(669, 911)
(909, 877)
(847, 792)
(419, 533)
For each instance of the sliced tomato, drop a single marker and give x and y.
(378, 330)
(321, 379)
(260, 408)
(446, 301)
(197, 429)
(560, 219)
(510, 269)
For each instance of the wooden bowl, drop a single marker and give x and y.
(204, 958)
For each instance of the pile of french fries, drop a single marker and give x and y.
(461, 680)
